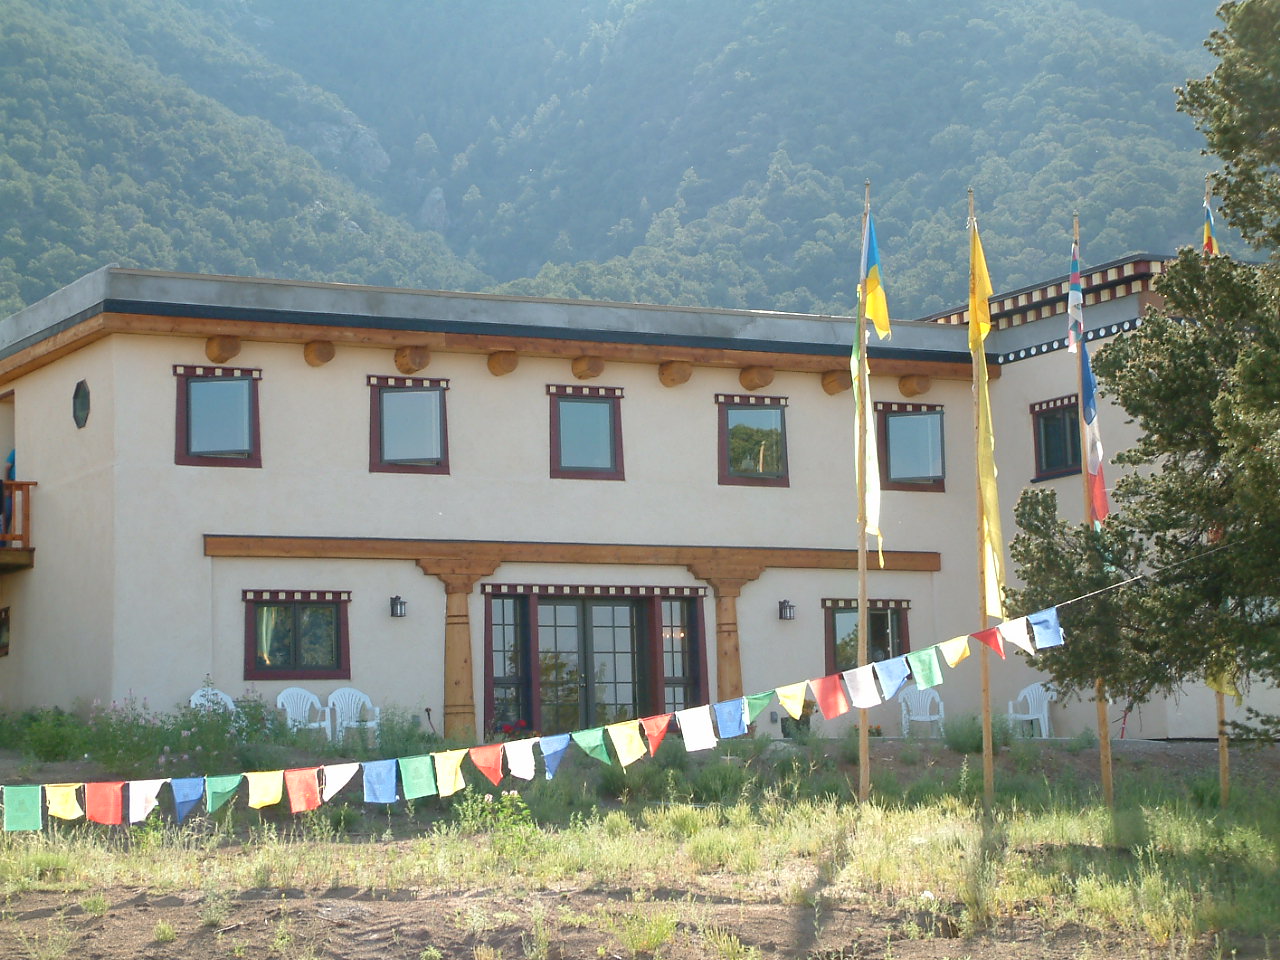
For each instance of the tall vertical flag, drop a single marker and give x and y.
(980, 294)
(1075, 303)
(1092, 441)
(872, 305)
(1210, 242)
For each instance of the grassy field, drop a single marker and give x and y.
(758, 850)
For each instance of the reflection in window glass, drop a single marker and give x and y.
(756, 446)
(1058, 439)
(915, 446)
(884, 636)
(586, 434)
(291, 636)
(219, 417)
(411, 426)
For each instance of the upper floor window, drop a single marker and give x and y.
(886, 632)
(407, 425)
(753, 440)
(217, 424)
(1056, 426)
(296, 635)
(909, 436)
(586, 432)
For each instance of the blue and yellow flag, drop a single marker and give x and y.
(1210, 242)
(875, 306)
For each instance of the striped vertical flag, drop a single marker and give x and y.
(1092, 442)
(1210, 241)
(1075, 303)
(875, 306)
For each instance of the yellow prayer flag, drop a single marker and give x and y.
(792, 698)
(979, 325)
(1220, 681)
(449, 771)
(627, 741)
(62, 800)
(265, 788)
(954, 650)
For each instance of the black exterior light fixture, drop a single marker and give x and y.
(398, 606)
(786, 610)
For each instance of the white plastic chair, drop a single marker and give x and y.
(922, 706)
(298, 705)
(1036, 697)
(211, 698)
(351, 708)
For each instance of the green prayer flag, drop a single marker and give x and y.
(22, 807)
(925, 667)
(756, 703)
(418, 775)
(592, 741)
(218, 790)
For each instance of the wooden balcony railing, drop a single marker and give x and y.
(16, 532)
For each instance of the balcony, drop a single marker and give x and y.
(16, 550)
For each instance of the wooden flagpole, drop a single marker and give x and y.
(988, 752)
(861, 385)
(1224, 762)
(1099, 695)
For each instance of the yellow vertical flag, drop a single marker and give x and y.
(980, 294)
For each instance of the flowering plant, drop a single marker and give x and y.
(507, 730)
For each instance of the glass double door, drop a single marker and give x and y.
(588, 662)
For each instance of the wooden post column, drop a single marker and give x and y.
(458, 577)
(726, 581)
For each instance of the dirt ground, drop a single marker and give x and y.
(486, 924)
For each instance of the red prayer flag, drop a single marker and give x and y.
(831, 696)
(991, 637)
(655, 728)
(103, 802)
(303, 785)
(488, 760)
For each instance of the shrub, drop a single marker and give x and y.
(50, 735)
(964, 734)
(718, 782)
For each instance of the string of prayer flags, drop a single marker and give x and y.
(1015, 632)
(303, 786)
(337, 776)
(1046, 628)
(861, 682)
(592, 743)
(731, 718)
(488, 760)
(62, 801)
(991, 637)
(187, 792)
(218, 790)
(954, 650)
(266, 787)
(655, 728)
(892, 674)
(449, 772)
(553, 749)
(792, 696)
(418, 776)
(627, 742)
(829, 693)
(520, 762)
(23, 807)
(380, 781)
(695, 727)
(144, 796)
(104, 802)
(756, 702)
(925, 667)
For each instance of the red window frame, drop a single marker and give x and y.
(182, 433)
(251, 598)
(576, 392)
(884, 411)
(377, 386)
(1055, 407)
(726, 402)
(831, 605)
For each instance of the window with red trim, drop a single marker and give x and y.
(408, 430)
(887, 635)
(1055, 425)
(217, 417)
(296, 635)
(909, 440)
(586, 432)
(752, 440)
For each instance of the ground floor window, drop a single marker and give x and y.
(296, 635)
(569, 658)
(887, 635)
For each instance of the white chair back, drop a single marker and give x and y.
(298, 705)
(1032, 706)
(211, 698)
(921, 706)
(352, 708)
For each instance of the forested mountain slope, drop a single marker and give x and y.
(705, 153)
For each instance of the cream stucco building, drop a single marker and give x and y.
(588, 510)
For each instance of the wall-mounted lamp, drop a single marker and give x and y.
(786, 610)
(398, 607)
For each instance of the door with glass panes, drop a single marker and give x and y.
(588, 662)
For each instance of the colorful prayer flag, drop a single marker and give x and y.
(792, 696)
(1015, 632)
(380, 781)
(696, 729)
(218, 790)
(954, 650)
(875, 306)
(1075, 303)
(991, 638)
(756, 702)
(520, 762)
(488, 760)
(655, 728)
(627, 742)
(187, 792)
(449, 771)
(418, 776)
(303, 786)
(1223, 681)
(143, 798)
(925, 667)
(592, 743)
(992, 539)
(1209, 241)
(23, 807)
(863, 693)
(1046, 628)
(553, 750)
(62, 802)
(731, 718)
(892, 674)
(266, 788)
(337, 776)
(829, 692)
(1092, 441)
(104, 802)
